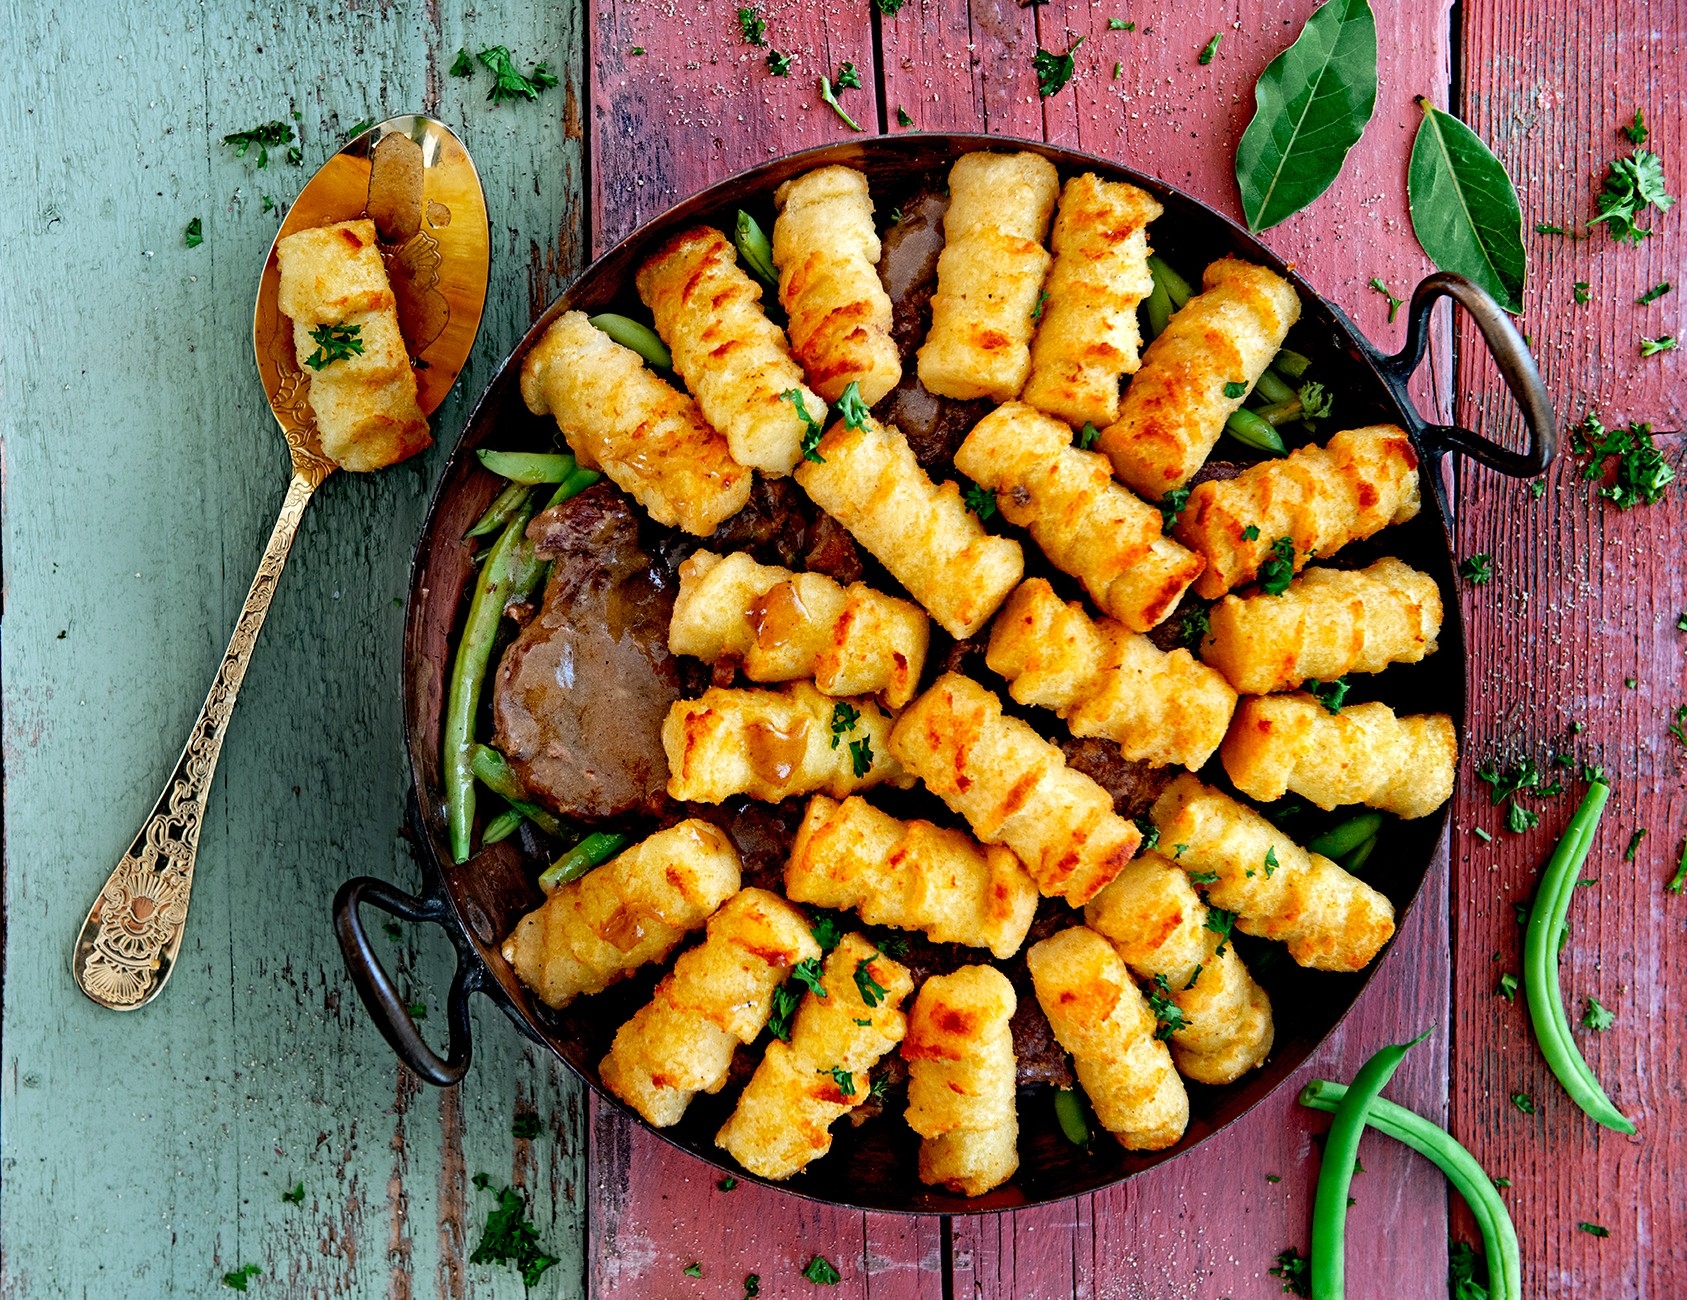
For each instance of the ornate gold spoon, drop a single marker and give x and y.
(415, 180)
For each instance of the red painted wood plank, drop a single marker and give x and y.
(1596, 594)
(963, 65)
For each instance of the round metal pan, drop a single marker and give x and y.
(872, 1167)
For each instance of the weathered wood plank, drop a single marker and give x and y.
(1599, 592)
(145, 1155)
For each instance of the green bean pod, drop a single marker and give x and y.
(643, 340)
(1248, 429)
(1157, 309)
(578, 481)
(754, 248)
(1357, 859)
(1344, 837)
(1280, 412)
(1540, 964)
(1499, 1236)
(1273, 389)
(468, 671)
(501, 827)
(1177, 288)
(1290, 364)
(528, 466)
(498, 513)
(1335, 1170)
(1069, 1110)
(593, 851)
(497, 776)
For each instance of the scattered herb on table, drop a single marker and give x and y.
(1636, 131)
(1477, 569)
(844, 717)
(780, 66)
(1272, 1178)
(268, 203)
(1519, 819)
(295, 1195)
(1311, 106)
(980, 500)
(1524, 1102)
(1463, 1267)
(752, 1285)
(752, 25)
(462, 65)
(1537, 489)
(1118, 70)
(1678, 728)
(1464, 207)
(861, 755)
(848, 78)
(334, 343)
(1548, 228)
(1633, 845)
(1120, 25)
(1209, 50)
(1632, 185)
(821, 1271)
(1296, 1271)
(417, 1010)
(693, 1270)
(1652, 347)
(1171, 505)
(1332, 695)
(828, 97)
(637, 49)
(271, 135)
(358, 128)
(237, 1280)
(525, 1126)
(902, 118)
(1393, 303)
(1508, 987)
(1168, 1016)
(194, 235)
(1642, 473)
(1596, 1017)
(508, 85)
(1580, 290)
(1482, 835)
(889, 8)
(727, 1184)
(872, 992)
(1277, 570)
(1054, 70)
(1653, 294)
(1678, 881)
(1593, 1229)
(509, 1237)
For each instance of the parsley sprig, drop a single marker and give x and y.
(852, 408)
(1642, 473)
(1054, 70)
(1332, 695)
(844, 717)
(1632, 185)
(1277, 570)
(828, 96)
(270, 135)
(872, 992)
(980, 500)
(753, 26)
(334, 343)
(813, 426)
(508, 85)
(1168, 1016)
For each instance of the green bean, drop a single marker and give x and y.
(1357, 859)
(1499, 1237)
(755, 250)
(1290, 364)
(1346, 836)
(474, 650)
(1280, 412)
(1273, 389)
(1335, 1170)
(496, 775)
(1540, 963)
(1177, 288)
(593, 851)
(499, 512)
(578, 481)
(1157, 307)
(501, 827)
(1248, 429)
(1070, 1112)
(643, 340)
(528, 466)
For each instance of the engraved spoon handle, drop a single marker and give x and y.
(128, 944)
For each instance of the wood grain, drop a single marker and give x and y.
(145, 1155)
(1585, 600)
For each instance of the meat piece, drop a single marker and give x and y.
(580, 694)
(831, 550)
(1133, 785)
(780, 525)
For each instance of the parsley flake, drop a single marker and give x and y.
(1168, 1016)
(294, 1195)
(825, 931)
(1477, 569)
(693, 1270)
(1171, 506)
(820, 1271)
(1524, 1102)
(1037, 311)
(1201, 877)
(813, 426)
(334, 343)
(1054, 70)
(1593, 1230)
(270, 135)
(1271, 863)
(827, 96)
(752, 1285)
(509, 1237)
(1277, 570)
(1120, 25)
(807, 973)
(848, 78)
(1632, 185)
(237, 1280)
(1642, 474)
(852, 409)
(1636, 131)
(462, 65)
(1193, 627)
(780, 66)
(1150, 834)
(1596, 1017)
(525, 1126)
(980, 500)
(872, 992)
(1194, 976)
(1580, 290)
(1219, 922)
(508, 85)
(1332, 695)
(1634, 844)
(727, 1184)
(1087, 436)
(861, 756)
(194, 235)
(889, 8)
(1508, 987)
(1653, 294)
(1316, 403)
(1251, 533)
(752, 25)
(842, 1077)
(1236, 388)
(1652, 347)
(844, 717)
(1211, 48)
(1296, 1271)
(1377, 286)
(902, 118)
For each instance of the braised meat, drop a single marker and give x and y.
(581, 693)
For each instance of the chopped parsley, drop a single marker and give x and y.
(1171, 506)
(894, 945)
(1235, 388)
(268, 203)
(812, 427)
(508, 85)
(844, 717)
(825, 931)
(785, 1001)
(980, 500)
(872, 992)
(271, 135)
(1377, 286)
(1277, 570)
(1519, 819)
(842, 1077)
(752, 25)
(1524, 1102)
(1178, 851)
(1194, 976)
(821, 1272)
(1547, 228)
(1477, 569)
(807, 973)
(1678, 728)
(1593, 1230)
(358, 128)
(237, 1280)
(462, 65)
(1201, 877)
(852, 409)
(693, 1270)
(780, 66)
(1636, 131)
(828, 97)
(1120, 25)
(1118, 70)
(848, 78)
(1632, 185)
(902, 118)
(1332, 695)
(1037, 311)
(1193, 627)
(880, 1086)
(1537, 489)
(1054, 70)
(1651, 347)
(1168, 1016)
(889, 8)
(1150, 834)
(525, 1126)
(1463, 1264)
(509, 1237)
(334, 343)
(1087, 436)
(1634, 844)
(1251, 533)
(1219, 922)
(1580, 290)
(1211, 48)
(637, 49)
(1642, 474)
(1596, 1017)
(861, 755)
(752, 1285)
(1482, 835)
(194, 235)
(1508, 987)
(1316, 403)
(1654, 293)
(727, 1184)
(1271, 863)
(1296, 1271)
(295, 1195)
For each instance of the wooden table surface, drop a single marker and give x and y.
(146, 1155)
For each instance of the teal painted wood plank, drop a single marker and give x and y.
(145, 1155)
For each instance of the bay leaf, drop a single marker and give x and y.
(1311, 106)
(1464, 207)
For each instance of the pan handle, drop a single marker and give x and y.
(380, 995)
(1517, 367)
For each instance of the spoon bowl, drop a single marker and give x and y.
(415, 180)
